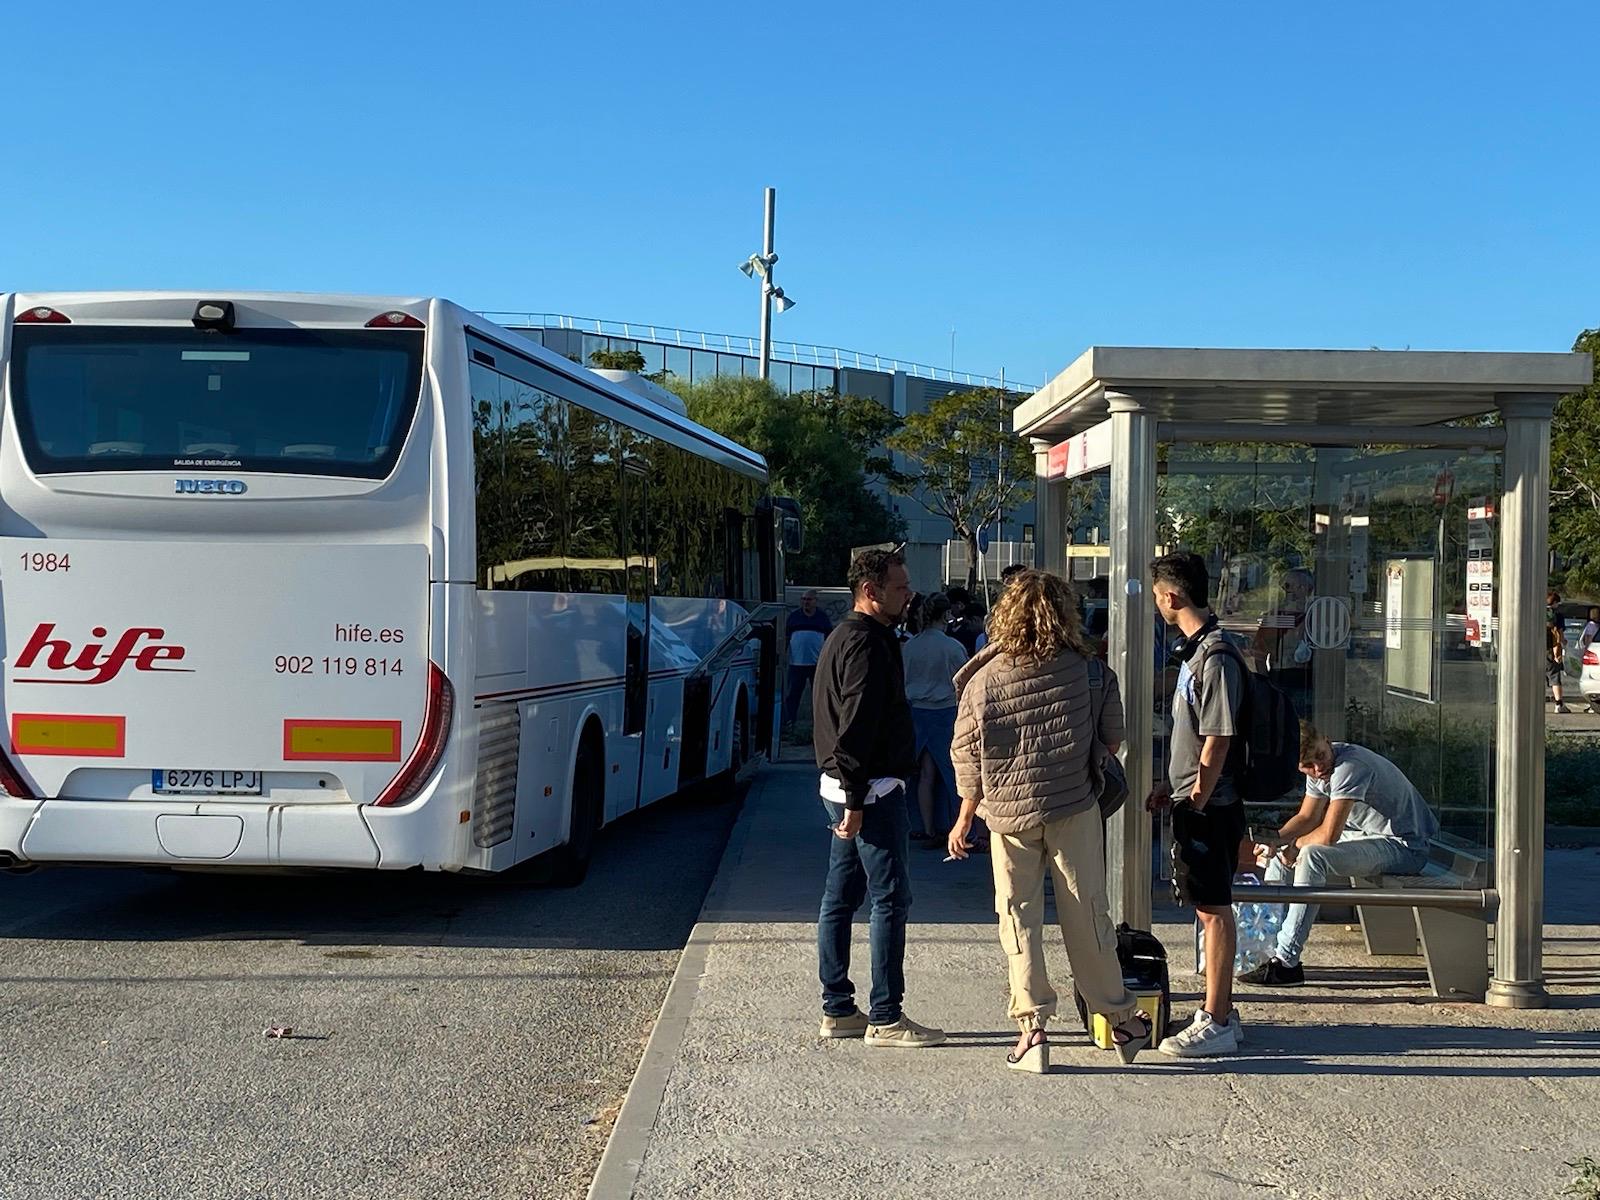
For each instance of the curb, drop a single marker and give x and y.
(619, 1167)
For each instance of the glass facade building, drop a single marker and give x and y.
(902, 387)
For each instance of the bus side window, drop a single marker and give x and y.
(594, 534)
(536, 432)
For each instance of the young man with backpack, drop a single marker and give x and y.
(1208, 819)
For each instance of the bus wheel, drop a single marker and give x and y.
(571, 861)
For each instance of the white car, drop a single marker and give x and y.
(1588, 669)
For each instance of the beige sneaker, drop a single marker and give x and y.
(855, 1025)
(905, 1034)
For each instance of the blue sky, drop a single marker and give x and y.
(1040, 178)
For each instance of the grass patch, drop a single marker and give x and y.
(1586, 1185)
(1572, 780)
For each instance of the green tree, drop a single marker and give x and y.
(822, 449)
(1236, 503)
(1575, 478)
(617, 360)
(970, 468)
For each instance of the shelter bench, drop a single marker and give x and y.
(1454, 942)
(1446, 910)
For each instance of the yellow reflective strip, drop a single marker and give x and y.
(68, 735)
(335, 739)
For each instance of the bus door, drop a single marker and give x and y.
(769, 678)
(640, 562)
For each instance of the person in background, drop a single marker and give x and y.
(806, 629)
(932, 659)
(1007, 574)
(1555, 649)
(1025, 738)
(1361, 817)
(1591, 627)
(1097, 611)
(1208, 822)
(1281, 641)
(965, 622)
(866, 750)
(975, 621)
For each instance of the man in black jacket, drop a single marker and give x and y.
(866, 750)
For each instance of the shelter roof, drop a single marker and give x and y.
(1311, 387)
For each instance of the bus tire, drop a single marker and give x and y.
(570, 862)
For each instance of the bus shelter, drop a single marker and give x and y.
(1375, 524)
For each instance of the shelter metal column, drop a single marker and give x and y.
(1332, 573)
(1050, 534)
(1518, 980)
(1133, 538)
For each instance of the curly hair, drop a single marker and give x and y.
(1036, 618)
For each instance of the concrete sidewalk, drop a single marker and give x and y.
(1357, 1085)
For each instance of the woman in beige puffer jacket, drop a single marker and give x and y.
(1025, 732)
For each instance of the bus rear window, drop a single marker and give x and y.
(291, 401)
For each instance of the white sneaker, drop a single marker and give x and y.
(1237, 1026)
(1202, 1038)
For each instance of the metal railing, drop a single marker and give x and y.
(1475, 899)
(800, 353)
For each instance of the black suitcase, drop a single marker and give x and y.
(1144, 969)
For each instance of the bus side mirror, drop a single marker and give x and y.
(792, 530)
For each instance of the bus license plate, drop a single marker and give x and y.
(206, 783)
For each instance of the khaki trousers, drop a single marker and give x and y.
(1071, 848)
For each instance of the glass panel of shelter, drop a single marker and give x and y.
(1344, 574)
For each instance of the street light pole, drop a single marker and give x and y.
(766, 285)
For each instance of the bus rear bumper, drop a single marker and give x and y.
(220, 834)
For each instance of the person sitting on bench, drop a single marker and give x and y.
(1361, 817)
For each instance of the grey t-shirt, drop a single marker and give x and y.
(1387, 804)
(1204, 706)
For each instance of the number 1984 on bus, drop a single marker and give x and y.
(310, 664)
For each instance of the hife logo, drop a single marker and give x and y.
(94, 660)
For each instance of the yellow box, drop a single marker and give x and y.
(1149, 1004)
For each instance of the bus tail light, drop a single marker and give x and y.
(430, 746)
(11, 781)
(394, 320)
(42, 316)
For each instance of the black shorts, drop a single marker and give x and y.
(1205, 851)
(1552, 673)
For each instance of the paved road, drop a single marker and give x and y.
(460, 1037)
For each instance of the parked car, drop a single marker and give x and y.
(1588, 671)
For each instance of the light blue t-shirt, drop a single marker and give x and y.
(1387, 804)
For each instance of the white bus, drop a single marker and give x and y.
(329, 581)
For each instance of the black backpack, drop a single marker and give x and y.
(1265, 762)
(1144, 968)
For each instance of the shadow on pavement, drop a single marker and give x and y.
(643, 892)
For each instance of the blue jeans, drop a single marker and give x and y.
(1362, 856)
(795, 687)
(873, 863)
